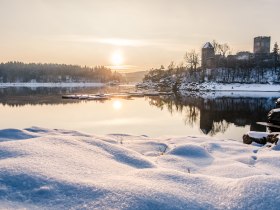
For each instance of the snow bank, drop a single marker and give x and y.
(62, 84)
(210, 86)
(58, 169)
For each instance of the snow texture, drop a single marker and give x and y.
(59, 169)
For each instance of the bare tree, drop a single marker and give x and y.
(221, 49)
(192, 59)
(224, 49)
(216, 46)
(171, 66)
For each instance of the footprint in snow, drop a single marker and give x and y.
(254, 157)
(255, 151)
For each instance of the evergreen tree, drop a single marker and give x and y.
(276, 56)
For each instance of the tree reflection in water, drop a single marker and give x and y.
(212, 114)
(216, 114)
(21, 96)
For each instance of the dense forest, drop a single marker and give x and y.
(37, 72)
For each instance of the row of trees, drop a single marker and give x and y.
(37, 72)
(174, 78)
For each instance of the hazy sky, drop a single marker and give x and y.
(145, 33)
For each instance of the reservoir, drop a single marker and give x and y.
(222, 115)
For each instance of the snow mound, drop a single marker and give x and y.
(190, 151)
(58, 169)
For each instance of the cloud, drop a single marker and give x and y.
(107, 41)
(178, 44)
(115, 41)
(122, 42)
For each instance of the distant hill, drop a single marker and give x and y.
(48, 72)
(135, 76)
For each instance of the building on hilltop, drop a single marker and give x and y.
(262, 45)
(208, 56)
(261, 56)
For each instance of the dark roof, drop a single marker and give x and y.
(208, 45)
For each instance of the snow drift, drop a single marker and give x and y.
(58, 169)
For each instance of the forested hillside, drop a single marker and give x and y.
(37, 72)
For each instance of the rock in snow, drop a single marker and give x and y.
(58, 169)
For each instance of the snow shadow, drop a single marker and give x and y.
(4, 154)
(25, 189)
(39, 191)
(14, 134)
(37, 130)
(124, 156)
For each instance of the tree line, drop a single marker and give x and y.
(38, 72)
(261, 68)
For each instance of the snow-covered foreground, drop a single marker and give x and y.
(62, 84)
(58, 169)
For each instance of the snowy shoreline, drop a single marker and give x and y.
(62, 84)
(230, 87)
(60, 169)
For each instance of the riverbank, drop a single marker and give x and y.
(61, 169)
(229, 87)
(209, 86)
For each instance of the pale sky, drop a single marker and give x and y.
(140, 34)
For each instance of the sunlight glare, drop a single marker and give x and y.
(117, 105)
(117, 58)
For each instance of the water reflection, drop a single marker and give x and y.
(21, 96)
(206, 114)
(214, 115)
(117, 104)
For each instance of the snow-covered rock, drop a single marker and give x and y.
(58, 169)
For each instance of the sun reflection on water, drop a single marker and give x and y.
(117, 105)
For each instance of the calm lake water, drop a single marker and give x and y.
(228, 115)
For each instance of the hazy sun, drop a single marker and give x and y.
(117, 105)
(117, 58)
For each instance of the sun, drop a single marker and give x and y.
(117, 58)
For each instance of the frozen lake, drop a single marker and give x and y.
(227, 116)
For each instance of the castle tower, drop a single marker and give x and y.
(207, 56)
(262, 45)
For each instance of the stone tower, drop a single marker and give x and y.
(262, 45)
(207, 56)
